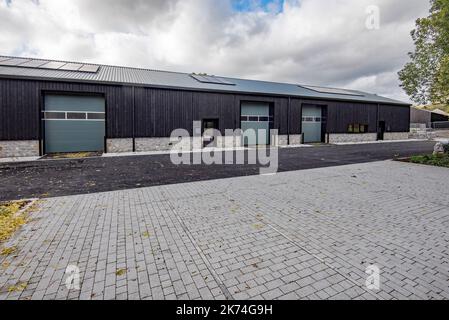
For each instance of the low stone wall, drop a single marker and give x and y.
(352, 137)
(396, 135)
(119, 145)
(229, 142)
(19, 148)
(153, 144)
(295, 139)
(164, 143)
(280, 140)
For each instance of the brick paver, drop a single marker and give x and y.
(295, 235)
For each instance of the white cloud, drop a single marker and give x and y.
(322, 42)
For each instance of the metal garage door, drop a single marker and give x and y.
(74, 123)
(255, 116)
(311, 123)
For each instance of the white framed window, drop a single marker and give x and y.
(73, 115)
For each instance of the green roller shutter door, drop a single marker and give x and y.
(74, 123)
(255, 123)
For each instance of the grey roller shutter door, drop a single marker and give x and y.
(74, 123)
(255, 123)
(311, 123)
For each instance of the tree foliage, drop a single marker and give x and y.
(426, 77)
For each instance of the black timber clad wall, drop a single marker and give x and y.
(19, 110)
(20, 103)
(159, 111)
(438, 117)
(295, 120)
(341, 114)
(420, 116)
(397, 118)
(215, 105)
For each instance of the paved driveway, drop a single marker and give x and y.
(49, 178)
(297, 235)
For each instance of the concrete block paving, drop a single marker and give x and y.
(306, 234)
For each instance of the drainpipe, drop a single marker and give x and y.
(134, 119)
(377, 122)
(288, 120)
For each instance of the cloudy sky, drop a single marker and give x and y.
(322, 42)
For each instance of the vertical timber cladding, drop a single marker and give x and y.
(397, 118)
(19, 110)
(73, 123)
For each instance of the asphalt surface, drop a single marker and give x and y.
(51, 178)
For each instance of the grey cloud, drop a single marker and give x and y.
(313, 41)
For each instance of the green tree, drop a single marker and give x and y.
(426, 77)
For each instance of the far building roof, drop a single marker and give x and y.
(439, 111)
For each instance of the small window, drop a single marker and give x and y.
(263, 118)
(253, 118)
(54, 115)
(317, 119)
(363, 128)
(356, 128)
(95, 116)
(243, 118)
(76, 116)
(350, 128)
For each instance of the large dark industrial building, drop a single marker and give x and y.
(57, 106)
(429, 118)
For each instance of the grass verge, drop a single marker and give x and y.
(433, 160)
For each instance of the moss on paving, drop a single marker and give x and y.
(433, 160)
(72, 155)
(10, 221)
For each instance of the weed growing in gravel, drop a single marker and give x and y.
(433, 160)
(19, 287)
(8, 250)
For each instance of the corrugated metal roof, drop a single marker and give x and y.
(441, 112)
(169, 79)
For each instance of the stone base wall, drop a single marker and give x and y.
(119, 145)
(352, 137)
(396, 135)
(19, 148)
(280, 140)
(229, 142)
(164, 143)
(153, 144)
(295, 139)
